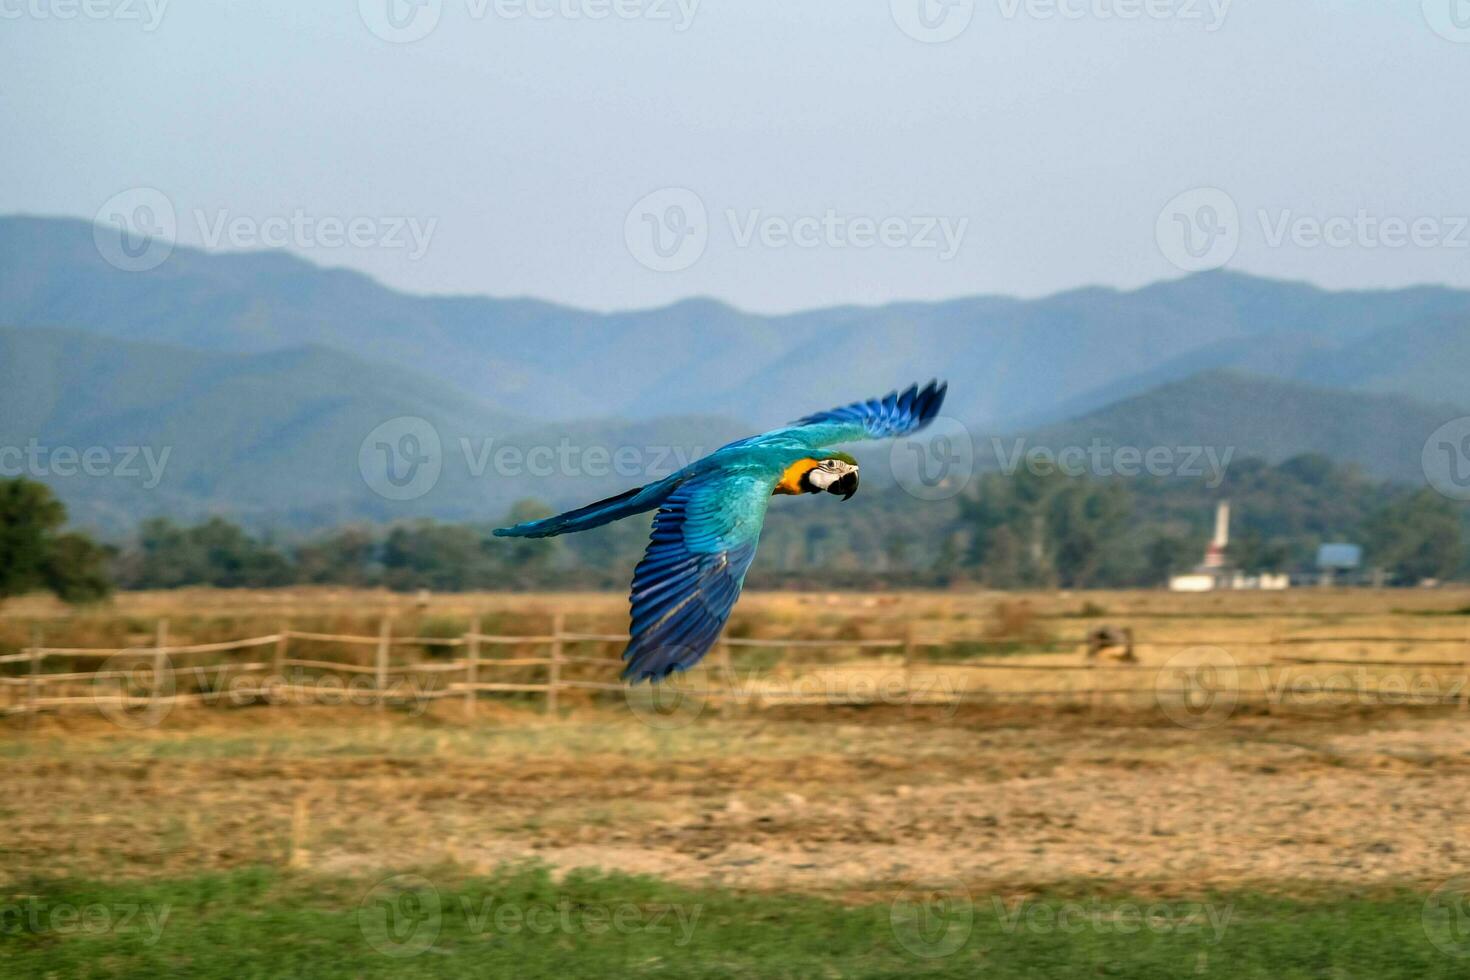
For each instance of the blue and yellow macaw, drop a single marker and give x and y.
(710, 515)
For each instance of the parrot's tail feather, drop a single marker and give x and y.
(625, 504)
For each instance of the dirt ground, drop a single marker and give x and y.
(1293, 795)
(820, 800)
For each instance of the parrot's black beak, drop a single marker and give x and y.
(847, 486)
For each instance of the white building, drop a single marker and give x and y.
(1215, 573)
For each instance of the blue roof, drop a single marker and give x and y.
(1339, 556)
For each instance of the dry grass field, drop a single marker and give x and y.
(1292, 789)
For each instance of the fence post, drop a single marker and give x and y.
(300, 855)
(722, 657)
(554, 670)
(1465, 687)
(278, 662)
(1093, 657)
(33, 683)
(160, 655)
(472, 670)
(909, 645)
(385, 628)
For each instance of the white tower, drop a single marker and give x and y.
(1215, 553)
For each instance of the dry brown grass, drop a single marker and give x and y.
(798, 798)
(194, 613)
(825, 799)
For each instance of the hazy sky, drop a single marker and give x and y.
(840, 150)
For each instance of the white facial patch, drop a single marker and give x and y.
(821, 479)
(828, 472)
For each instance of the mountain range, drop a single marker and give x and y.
(292, 438)
(1229, 415)
(269, 376)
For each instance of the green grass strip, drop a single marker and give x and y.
(524, 924)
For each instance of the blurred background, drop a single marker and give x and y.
(298, 303)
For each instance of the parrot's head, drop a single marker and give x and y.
(837, 473)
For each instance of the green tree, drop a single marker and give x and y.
(1169, 554)
(1007, 536)
(526, 558)
(443, 557)
(348, 556)
(34, 555)
(77, 568)
(1416, 537)
(1084, 522)
(1041, 529)
(1253, 552)
(217, 553)
(235, 559)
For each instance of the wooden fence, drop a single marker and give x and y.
(467, 677)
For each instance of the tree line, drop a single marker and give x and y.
(1032, 529)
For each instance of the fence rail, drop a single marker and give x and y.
(471, 675)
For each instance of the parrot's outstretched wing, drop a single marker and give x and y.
(896, 414)
(704, 539)
(614, 508)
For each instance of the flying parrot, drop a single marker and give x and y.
(710, 515)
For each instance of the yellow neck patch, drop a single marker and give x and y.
(791, 479)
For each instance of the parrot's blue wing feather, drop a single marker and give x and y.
(703, 541)
(896, 414)
(614, 508)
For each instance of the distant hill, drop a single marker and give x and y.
(275, 438)
(264, 376)
(1015, 363)
(1262, 417)
(1425, 357)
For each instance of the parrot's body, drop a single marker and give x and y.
(710, 515)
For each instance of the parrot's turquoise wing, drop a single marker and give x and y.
(896, 414)
(704, 539)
